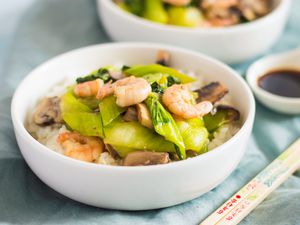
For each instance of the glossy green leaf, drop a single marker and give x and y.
(165, 125)
(132, 136)
(185, 16)
(142, 70)
(194, 134)
(155, 11)
(79, 117)
(224, 115)
(109, 109)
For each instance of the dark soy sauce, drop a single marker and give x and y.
(283, 82)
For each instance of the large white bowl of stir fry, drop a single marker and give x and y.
(230, 30)
(132, 126)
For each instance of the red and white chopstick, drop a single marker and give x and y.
(253, 193)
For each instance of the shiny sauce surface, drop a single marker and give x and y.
(283, 82)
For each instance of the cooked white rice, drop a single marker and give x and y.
(47, 135)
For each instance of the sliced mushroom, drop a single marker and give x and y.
(131, 114)
(252, 9)
(48, 112)
(112, 151)
(191, 153)
(232, 113)
(212, 92)
(163, 58)
(143, 115)
(145, 158)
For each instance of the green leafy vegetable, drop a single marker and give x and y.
(142, 70)
(136, 6)
(157, 88)
(127, 137)
(69, 103)
(102, 74)
(194, 134)
(80, 117)
(224, 115)
(165, 125)
(91, 102)
(185, 16)
(86, 123)
(124, 68)
(173, 80)
(109, 109)
(154, 10)
(154, 77)
(159, 82)
(133, 6)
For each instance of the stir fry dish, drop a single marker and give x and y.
(134, 115)
(197, 13)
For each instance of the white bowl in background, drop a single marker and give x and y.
(230, 44)
(130, 188)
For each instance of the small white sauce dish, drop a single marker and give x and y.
(288, 60)
(229, 44)
(130, 188)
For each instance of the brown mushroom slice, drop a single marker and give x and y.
(143, 115)
(163, 58)
(251, 9)
(112, 151)
(130, 115)
(212, 92)
(48, 112)
(145, 158)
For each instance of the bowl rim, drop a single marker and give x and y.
(21, 130)
(216, 30)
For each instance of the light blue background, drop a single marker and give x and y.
(34, 31)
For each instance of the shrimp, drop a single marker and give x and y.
(129, 91)
(80, 147)
(105, 90)
(88, 88)
(178, 100)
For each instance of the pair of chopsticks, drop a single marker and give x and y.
(245, 200)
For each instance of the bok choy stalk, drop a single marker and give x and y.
(102, 73)
(194, 134)
(80, 117)
(91, 102)
(155, 11)
(224, 115)
(159, 81)
(142, 70)
(165, 125)
(109, 110)
(134, 6)
(128, 137)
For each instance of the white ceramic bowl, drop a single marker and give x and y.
(288, 60)
(130, 188)
(231, 44)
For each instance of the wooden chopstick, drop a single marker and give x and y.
(253, 193)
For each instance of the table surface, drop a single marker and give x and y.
(33, 31)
